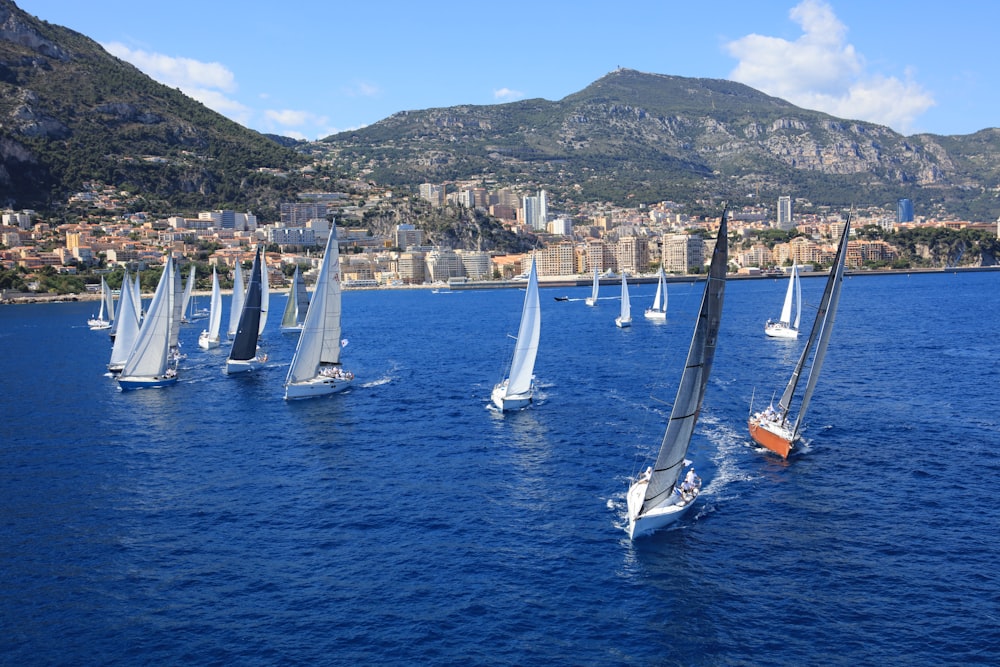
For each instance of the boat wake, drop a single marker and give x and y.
(730, 444)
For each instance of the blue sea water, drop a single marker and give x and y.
(404, 522)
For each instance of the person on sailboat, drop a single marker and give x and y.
(690, 483)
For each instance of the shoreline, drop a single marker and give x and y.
(9, 297)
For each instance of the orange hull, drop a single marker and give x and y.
(769, 440)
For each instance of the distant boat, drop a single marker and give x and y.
(785, 327)
(149, 363)
(561, 298)
(107, 301)
(517, 389)
(659, 309)
(209, 338)
(127, 324)
(656, 499)
(770, 428)
(624, 319)
(245, 355)
(316, 369)
(297, 305)
(236, 303)
(594, 289)
(188, 311)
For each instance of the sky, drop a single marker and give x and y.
(311, 68)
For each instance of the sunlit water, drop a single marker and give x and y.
(404, 522)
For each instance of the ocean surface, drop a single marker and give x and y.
(404, 522)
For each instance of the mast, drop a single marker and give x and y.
(691, 390)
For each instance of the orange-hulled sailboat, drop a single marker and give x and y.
(773, 427)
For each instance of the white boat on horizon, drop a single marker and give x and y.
(209, 338)
(624, 319)
(659, 309)
(785, 326)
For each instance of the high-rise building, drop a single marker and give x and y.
(904, 210)
(536, 211)
(682, 252)
(433, 193)
(407, 236)
(785, 212)
(295, 214)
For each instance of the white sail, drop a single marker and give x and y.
(236, 304)
(100, 322)
(188, 289)
(209, 338)
(136, 290)
(265, 294)
(315, 367)
(109, 300)
(297, 304)
(176, 299)
(128, 328)
(654, 500)
(786, 327)
(624, 318)
(148, 357)
(594, 289)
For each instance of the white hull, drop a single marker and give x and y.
(242, 366)
(512, 402)
(653, 314)
(590, 301)
(321, 385)
(294, 329)
(623, 324)
(98, 325)
(206, 342)
(780, 330)
(661, 516)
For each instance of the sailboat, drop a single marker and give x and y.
(517, 389)
(244, 356)
(624, 319)
(772, 428)
(148, 364)
(592, 299)
(98, 323)
(659, 309)
(315, 369)
(784, 327)
(656, 499)
(209, 338)
(236, 303)
(188, 314)
(298, 303)
(127, 325)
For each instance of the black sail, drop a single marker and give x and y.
(245, 342)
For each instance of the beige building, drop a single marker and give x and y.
(682, 252)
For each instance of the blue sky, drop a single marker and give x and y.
(310, 68)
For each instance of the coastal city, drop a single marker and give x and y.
(596, 238)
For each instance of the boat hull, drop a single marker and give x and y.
(654, 314)
(98, 325)
(243, 365)
(321, 385)
(771, 436)
(141, 382)
(660, 516)
(623, 324)
(505, 402)
(291, 329)
(590, 301)
(206, 342)
(780, 330)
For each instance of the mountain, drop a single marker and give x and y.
(638, 137)
(70, 113)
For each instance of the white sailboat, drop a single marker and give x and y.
(771, 428)
(148, 364)
(265, 295)
(100, 322)
(594, 289)
(244, 355)
(517, 389)
(127, 325)
(189, 312)
(659, 309)
(656, 499)
(297, 305)
(785, 327)
(236, 303)
(316, 369)
(624, 319)
(209, 338)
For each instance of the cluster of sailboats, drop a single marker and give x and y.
(146, 352)
(667, 489)
(656, 312)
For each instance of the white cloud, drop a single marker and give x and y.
(821, 70)
(362, 89)
(507, 94)
(293, 118)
